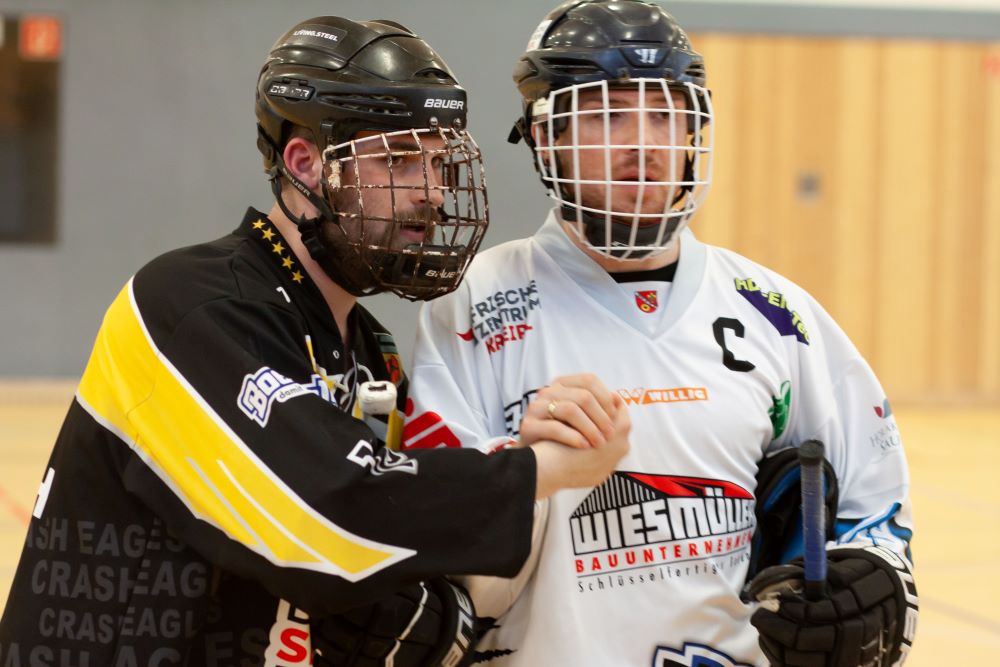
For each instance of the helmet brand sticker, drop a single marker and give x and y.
(536, 37)
(540, 109)
(330, 34)
(646, 56)
(290, 91)
(439, 103)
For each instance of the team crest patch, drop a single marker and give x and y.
(646, 300)
(693, 655)
(390, 353)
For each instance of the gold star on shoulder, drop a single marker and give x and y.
(279, 249)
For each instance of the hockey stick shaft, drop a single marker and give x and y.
(813, 518)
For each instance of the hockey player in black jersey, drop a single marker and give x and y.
(220, 493)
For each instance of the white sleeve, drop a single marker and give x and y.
(841, 403)
(456, 402)
(455, 398)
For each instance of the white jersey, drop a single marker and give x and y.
(728, 362)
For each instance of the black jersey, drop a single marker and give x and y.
(210, 479)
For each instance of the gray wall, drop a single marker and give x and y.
(157, 133)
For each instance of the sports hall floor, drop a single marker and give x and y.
(955, 464)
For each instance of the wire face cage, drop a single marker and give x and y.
(413, 205)
(628, 162)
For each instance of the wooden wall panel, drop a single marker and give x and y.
(957, 336)
(719, 213)
(909, 145)
(989, 347)
(868, 171)
(854, 192)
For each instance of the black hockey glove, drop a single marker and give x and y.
(424, 625)
(867, 619)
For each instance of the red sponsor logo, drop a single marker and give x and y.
(635, 520)
(511, 332)
(646, 300)
(643, 396)
(691, 487)
(426, 431)
(289, 644)
(465, 335)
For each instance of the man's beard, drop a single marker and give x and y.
(356, 261)
(342, 260)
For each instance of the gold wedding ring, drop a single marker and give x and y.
(552, 409)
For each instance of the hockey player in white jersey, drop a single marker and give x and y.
(726, 367)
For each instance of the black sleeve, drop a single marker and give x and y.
(268, 480)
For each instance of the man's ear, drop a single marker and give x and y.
(303, 160)
(539, 134)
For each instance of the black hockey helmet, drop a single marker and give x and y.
(581, 41)
(597, 44)
(338, 78)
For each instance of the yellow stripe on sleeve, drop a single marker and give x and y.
(133, 390)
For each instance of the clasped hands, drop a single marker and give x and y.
(578, 430)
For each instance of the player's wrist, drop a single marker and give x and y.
(559, 467)
(546, 470)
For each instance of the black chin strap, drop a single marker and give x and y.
(309, 228)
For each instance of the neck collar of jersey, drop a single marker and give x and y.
(583, 270)
(265, 234)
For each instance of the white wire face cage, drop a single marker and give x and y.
(626, 163)
(413, 206)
